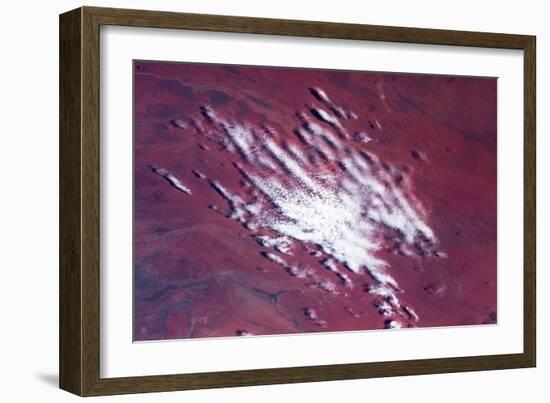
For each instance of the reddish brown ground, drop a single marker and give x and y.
(200, 272)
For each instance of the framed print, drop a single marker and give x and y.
(251, 201)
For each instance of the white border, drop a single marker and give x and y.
(121, 357)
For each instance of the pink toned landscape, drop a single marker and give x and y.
(275, 200)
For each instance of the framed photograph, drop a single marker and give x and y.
(249, 201)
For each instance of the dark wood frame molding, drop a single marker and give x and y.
(79, 201)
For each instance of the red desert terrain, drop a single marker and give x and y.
(278, 200)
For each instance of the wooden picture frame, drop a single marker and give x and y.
(79, 346)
